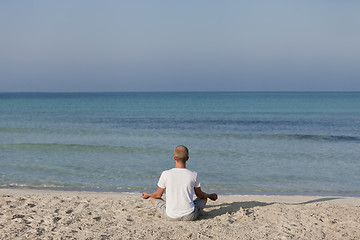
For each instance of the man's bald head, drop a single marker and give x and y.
(181, 153)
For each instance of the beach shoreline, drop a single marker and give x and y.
(54, 214)
(218, 191)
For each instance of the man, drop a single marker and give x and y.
(180, 184)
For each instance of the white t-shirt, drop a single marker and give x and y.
(179, 184)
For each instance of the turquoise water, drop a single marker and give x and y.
(239, 142)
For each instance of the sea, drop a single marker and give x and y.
(239, 142)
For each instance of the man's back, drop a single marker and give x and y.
(179, 184)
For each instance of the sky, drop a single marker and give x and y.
(120, 46)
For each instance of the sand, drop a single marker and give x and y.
(44, 214)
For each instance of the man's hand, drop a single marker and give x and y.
(200, 194)
(155, 195)
(213, 196)
(145, 195)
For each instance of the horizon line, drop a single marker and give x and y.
(244, 91)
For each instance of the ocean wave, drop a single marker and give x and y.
(278, 136)
(323, 137)
(219, 190)
(55, 131)
(80, 147)
(84, 133)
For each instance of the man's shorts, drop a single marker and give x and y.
(160, 206)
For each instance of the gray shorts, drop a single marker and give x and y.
(160, 206)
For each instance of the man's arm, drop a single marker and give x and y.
(200, 194)
(159, 192)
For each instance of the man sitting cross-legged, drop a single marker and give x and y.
(180, 184)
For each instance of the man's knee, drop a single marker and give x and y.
(200, 203)
(153, 200)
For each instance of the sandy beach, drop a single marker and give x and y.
(45, 214)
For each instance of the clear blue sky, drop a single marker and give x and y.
(268, 45)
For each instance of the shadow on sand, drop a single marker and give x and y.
(229, 208)
(314, 201)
